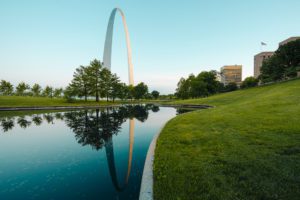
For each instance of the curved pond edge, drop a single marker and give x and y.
(146, 191)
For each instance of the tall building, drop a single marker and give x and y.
(289, 40)
(258, 60)
(231, 73)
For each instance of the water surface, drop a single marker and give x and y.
(82, 154)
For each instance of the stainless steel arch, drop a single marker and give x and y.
(108, 44)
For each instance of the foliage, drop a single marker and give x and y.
(99, 82)
(6, 88)
(231, 87)
(155, 94)
(21, 89)
(36, 89)
(249, 82)
(88, 81)
(93, 73)
(58, 92)
(202, 85)
(80, 82)
(48, 92)
(140, 91)
(283, 64)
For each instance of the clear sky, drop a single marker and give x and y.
(44, 41)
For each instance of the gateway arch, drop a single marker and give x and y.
(108, 44)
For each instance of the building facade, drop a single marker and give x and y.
(231, 73)
(258, 61)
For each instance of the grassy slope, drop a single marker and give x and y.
(248, 147)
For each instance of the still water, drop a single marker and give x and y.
(82, 154)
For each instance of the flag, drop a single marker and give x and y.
(263, 44)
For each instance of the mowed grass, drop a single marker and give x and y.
(247, 147)
(23, 101)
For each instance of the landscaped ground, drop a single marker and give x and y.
(20, 101)
(247, 147)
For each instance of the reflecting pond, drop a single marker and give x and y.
(81, 154)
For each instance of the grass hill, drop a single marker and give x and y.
(247, 147)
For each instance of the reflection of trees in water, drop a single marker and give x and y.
(23, 122)
(7, 123)
(49, 118)
(91, 127)
(96, 127)
(37, 120)
(184, 110)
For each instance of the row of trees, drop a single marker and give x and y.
(284, 64)
(23, 89)
(206, 83)
(88, 82)
(202, 85)
(98, 82)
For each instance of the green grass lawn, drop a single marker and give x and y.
(23, 101)
(247, 147)
(20, 101)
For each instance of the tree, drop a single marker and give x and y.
(123, 91)
(48, 92)
(36, 89)
(6, 88)
(130, 91)
(116, 87)
(283, 64)
(249, 82)
(106, 83)
(155, 94)
(58, 92)
(202, 85)
(69, 93)
(198, 88)
(140, 90)
(21, 89)
(210, 79)
(182, 90)
(80, 82)
(94, 78)
(231, 87)
(271, 70)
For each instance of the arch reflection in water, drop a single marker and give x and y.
(109, 148)
(104, 126)
(42, 148)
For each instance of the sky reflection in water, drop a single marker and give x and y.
(83, 154)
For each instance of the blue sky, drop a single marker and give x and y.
(44, 41)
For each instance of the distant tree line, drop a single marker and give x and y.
(284, 64)
(23, 89)
(92, 81)
(206, 84)
(96, 81)
(202, 85)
